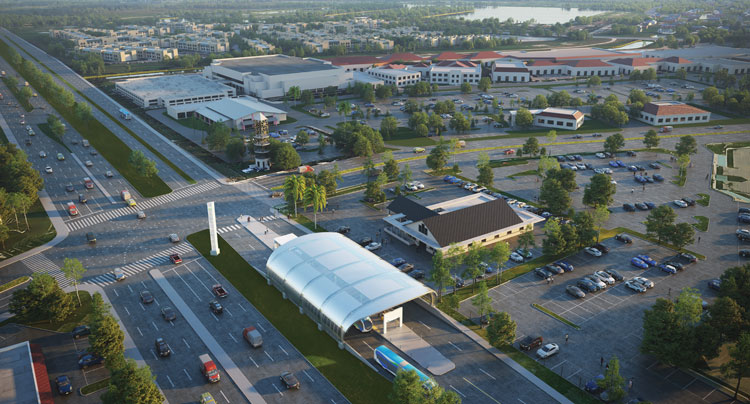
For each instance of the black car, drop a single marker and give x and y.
(529, 343)
(560, 159)
(715, 284)
(688, 257)
(676, 265)
(365, 241)
(543, 273)
(343, 229)
(417, 274)
(91, 237)
(575, 291)
(628, 207)
(640, 168)
(63, 385)
(82, 198)
(650, 205)
(458, 282)
(601, 247)
(162, 348)
(744, 218)
(689, 201)
(608, 155)
(215, 307)
(658, 178)
(587, 285)
(744, 253)
(289, 380)
(631, 153)
(743, 210)
(81, 331)
(554, 269)
(613, 273)
(624, 238)
(655, 166)
(89, 360)
(571, 158)
(405, 267)
(743, 234)
(146, 297)
(641, 206)
(589, 166)
(578, 157)
(168, 313)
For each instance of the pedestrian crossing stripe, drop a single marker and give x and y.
(97, 218)
(39, 263)
(140, 265)
(227, 229)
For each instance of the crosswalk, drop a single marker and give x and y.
(141, 265)
(227, 229)
(39, 263)
(91, 220)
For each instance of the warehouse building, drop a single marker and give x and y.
(672, 112)
(172, 90)
(236, 113)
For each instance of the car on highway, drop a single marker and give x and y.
(109, 174)
(680, 203)
(175, 258)
(119, 274)
(648, 260)
(82, 198)
(587, 285)
(592, 251)
(88, 163)
(215, 307)
(374, 246)
(69, 187)
(624, 238)
(575, 291)
(635, 286)
(131, 202)
(48, 170)
(63, 385)
(88, 183)
(289, 380)
(207, 398)
(60, 157)
(90, 237)
(89, 359)
(162, 348)
(644, 281)
(141, 214)
(547, 351)
(174, 238)
(81, 331)
(146, 297)
(168, 313)
(668, 268)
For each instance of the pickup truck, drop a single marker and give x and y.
(208, 368)
(219, 290)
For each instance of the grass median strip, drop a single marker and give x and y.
(94, 387)
(15, 282)
(25, 103)
(702, 224)
(337, 365)
(704, 199)
(46, 130)
(140, 140)
(555, 316)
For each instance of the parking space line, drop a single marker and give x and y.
(232, 337)
(242, 307)
(488, 375)
(558, 364)
(277, 390)
(253, 360)
(269, 356)
(223, 395)
(709, 393)
(131, 289)
(187, 374)
(482, 391)
(186, 344)
(688, 385)
(454, 346)
(227, 310)
(215, 318)
(284, 350)
(456, 390)
(574, 373)
(261, 327)
(308, 376)
(523, 402)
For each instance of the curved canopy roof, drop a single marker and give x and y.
(343, 280)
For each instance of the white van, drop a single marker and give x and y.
(252, 336)
(85, 143)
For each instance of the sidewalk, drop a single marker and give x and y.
(49, 207)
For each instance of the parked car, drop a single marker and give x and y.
(644, 281)
(680, 203)
(645, 258)
(620, 163)
(687, 257)
(543, 273)
(547, 351)
(655, 166)
(365, 241)
(554, 269)
(565, 266)
(743, 210)
(524, 253)
(613, 273)
(63, 385)
(676, 265)
(601, 247)
(743, 234)
(528, 343)
(405, 267)
(417, 274)
(373, 246)
(641, 206)
(744, 253)
(516, 257)
(343, 229)
(650, 205)
(743, 218)
(628, 207)
(598, 282)
(715, 284)
(624, 238)
(636, 286)
(668, 268)
(658, 178)
(89, 360)
(175, 258)
(613, 164)
(81, 331)
(605, 277)
(593, 251)
(689, 201)
(587, 285)
(575, 291)
(396, 262)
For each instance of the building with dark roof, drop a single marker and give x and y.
(477, 218)
(672, 112)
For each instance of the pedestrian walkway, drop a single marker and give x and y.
(418, 349)
(86, 221)
(258, 229)
(39, 263)
(227, 229)
(141, 265)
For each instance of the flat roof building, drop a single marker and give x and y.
(236, 113)
(24, 378)
(172, 90)
(454, 73)
(272, 76)
(556, 118)
(477, 218)
(397, 75)
(671, 112)
(510, 71)
(336, 282)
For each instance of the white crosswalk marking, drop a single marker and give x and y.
(141, 265)
(39, 263)
(227, 229)
(87, 221)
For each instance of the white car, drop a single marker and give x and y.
(174, 238)
(580, 166)
(597, 281)
(605, 277)
(109, 174)
(599, 170)
(635, 286)
(42, 154)
(547, 351)
(373, 246)
(593, 251)
(516, 257)
(524, 253)
(419, 184)
(601, 155)
(607, 170)
(680, 203)
(645, 282)
(48, 169)
(89, 163)
(248, 170)
(613, 182)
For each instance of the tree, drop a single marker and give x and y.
(435, 122)
(284, 157)
(660, 222)
(502, 330)
(465, 87)
(438, 157)
(107, 340)
(567, 178)
(374, 191)
(554, 243)
(459, 123)
(682, 234)
(143, 165)
(688, 307)
(614, 143)
(613, 383)
(218, 136)
(484, 84)
(368, 169)
(499, 254)
(686, 146)
(4, 234)
(482, 300)
(390, 168)
(524, 118)
(526, 240)
(546, 164)
(73, 270)
(440, 273)
(316, 196)
(294, 93)
(663, 337)
(531, 146)
(735, 282)
(307, 97)
(418, 118)
(600, 191)
(130, 384)
(294, 188)
(651, 139)
(345, 108)
(584, 227)
(329, 101)
(471, 261)
(405, 175)
(454, 256)
(55, 126)
(407, 388)
(539, 102)
(42, 299)
(235, 149)
(422, 130)
(302, 138)
(600, 216)
(725, 315)
(739, 362)
(551, 137)
(321, 143)
(388, 127)
(594, 81)
(554, 196)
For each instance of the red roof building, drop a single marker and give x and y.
(401, 57)
(484, 56)
(672, 112)
(449, 56)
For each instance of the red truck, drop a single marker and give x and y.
(219, 291)
(209, 369)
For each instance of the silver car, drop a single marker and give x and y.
(644, 281)
(607, 278)
(598, 282)
(636, 286)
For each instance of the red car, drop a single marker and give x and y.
(509, 151)
(175, 258)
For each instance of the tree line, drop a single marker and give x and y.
(19, 185)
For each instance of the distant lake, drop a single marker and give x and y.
(542, 15)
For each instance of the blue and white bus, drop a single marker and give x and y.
(391, 362)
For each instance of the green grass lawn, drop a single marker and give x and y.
(15, 282)
(94, 387)
(40, 233)
(81, 315)
(590, 125)
(702, 224)
(517, 161)
(15, 90)
(524, 173)
(348, 374)
(190, 123)
(704, 199)
(406, 137)
(305, 221)
(47, 131)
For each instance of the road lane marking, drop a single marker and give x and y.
(224, 395)
(308, 376)
(482, 391)
(186, 344)
(139, 330)
(368, 345)
(188, 286)
(215, 318)
(456, 390)
(116, 294)
(284, 350)
(153, 353)
(126, 310)
(172, 350)
(232, 337)
(154, 324)
(170, 381)
(253, 360)
(187, 374)
(269, 356)
(489, 375)
(454, 346)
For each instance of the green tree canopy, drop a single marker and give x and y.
(660, 221)
(130, 384)
(600, 191)
(686, 146)
(502, 330)
(614, 143)
(524, 118)
(651, 139)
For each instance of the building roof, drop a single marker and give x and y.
(341, 279)
(587, 63)
(561, 113)
(671, 108)
(228, 108)
(635, 62)
(401, 57)
(273, 65)
(354, 60)
(560, 54)
(484, 55)
(22, 378)
(449, 56)
(456, 63)
(676, 59)
(473, 221)
(543, 62)
(173, 86)
(411, 209)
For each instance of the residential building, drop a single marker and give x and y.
(668, 113)
(454, 73)
(171, 90)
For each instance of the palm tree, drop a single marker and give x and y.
(316, 195)
(294, 188)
